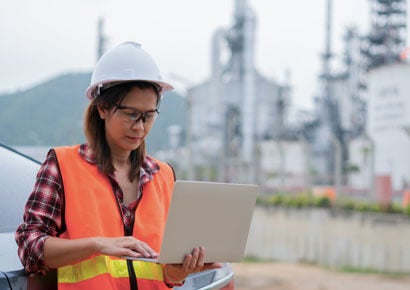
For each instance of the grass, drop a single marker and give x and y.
(306, 200)
(253, 259)
(343, 269)
(350, 269)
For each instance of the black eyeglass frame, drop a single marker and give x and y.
(142, 115)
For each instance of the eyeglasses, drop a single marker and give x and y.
(131, 115)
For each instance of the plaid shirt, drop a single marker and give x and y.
(43, 211)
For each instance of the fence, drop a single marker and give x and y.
(333, 238)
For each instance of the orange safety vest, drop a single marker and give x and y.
(91, 209)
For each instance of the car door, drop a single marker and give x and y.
(17, 177)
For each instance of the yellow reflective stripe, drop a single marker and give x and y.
(99, 265)
(150, 271)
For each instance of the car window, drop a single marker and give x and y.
(17, 177)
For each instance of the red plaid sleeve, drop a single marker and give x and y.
(42, 217)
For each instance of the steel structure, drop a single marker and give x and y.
(341, 107)
(236, 107)
(387, 37)
(101, 39)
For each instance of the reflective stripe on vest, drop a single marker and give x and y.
(116, 268)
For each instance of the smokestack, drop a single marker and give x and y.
(101, 38)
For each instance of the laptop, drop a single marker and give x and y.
(213, 215)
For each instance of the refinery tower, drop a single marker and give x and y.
(236, 107)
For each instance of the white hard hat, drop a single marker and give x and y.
(124, 63)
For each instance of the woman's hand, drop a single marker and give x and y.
(193, 263)
(59, 252)
(124, 246)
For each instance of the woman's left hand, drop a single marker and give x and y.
(193, 263)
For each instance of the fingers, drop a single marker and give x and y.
(143, 249)
(201, 258)
(126, 246)
(195, 261)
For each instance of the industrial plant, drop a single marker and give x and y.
(356, 140)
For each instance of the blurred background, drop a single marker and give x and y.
(308, 99)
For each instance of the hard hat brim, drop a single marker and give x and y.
(90, 90)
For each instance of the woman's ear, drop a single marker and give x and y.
(102, 112)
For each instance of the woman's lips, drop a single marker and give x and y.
(135, 139)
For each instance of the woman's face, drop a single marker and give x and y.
(125, 130)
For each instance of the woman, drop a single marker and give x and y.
(95, 203)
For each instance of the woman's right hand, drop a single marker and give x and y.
(124, 246)
(59, 252)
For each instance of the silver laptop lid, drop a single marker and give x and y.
(216, 216)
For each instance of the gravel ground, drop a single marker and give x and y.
(280, 276)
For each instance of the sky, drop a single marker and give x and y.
(43, 38)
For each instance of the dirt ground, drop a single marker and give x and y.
(279, 276)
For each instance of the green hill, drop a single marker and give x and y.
(51, 114)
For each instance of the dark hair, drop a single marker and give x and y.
(94, 126)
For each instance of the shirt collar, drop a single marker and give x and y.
(148, 169)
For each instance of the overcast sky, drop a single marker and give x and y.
(43, 38)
